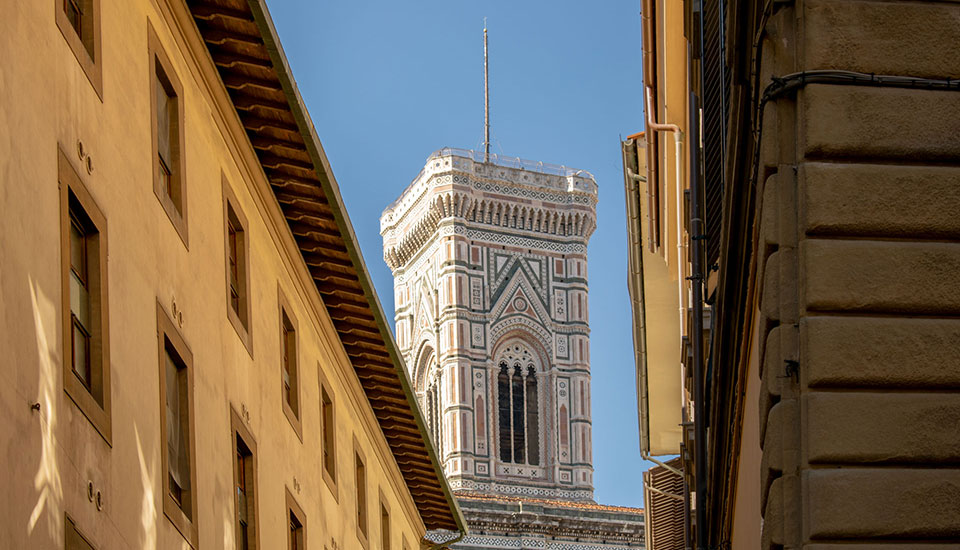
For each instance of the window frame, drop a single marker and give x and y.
(386, 538)
(294, 416)
(243, 328)
(158, 59)
(240, 433)
(68, 523)
(293, 509)
(97, 412)
(362, 509)
(330, 478)
(89, 63)
(167, 331)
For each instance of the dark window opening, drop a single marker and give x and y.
(361, 479)
(245, 495)
(327, 429)
(518, 414)
(178, 431)
(289, 366)
(234, 243)
(80, 299)
(503, 407)
(533, 419)
(518, 420)
(384, 527)
(296, 533)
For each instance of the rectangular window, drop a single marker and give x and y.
(328, 436)
(361, 480)
(79, 23)
(289, 343)
(166, 142)
(296, 532)
(167, 123)
(384, 525)
(83, 242)
(244, 484)
(73, 539)
(176, 428)
(296, 523)
(289, 371)
(236, 247)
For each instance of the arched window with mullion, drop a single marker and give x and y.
(518, 405)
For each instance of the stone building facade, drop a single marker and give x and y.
(829, 145)
(181, 296)
(489, 258)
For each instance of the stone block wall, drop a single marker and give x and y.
(859, 281)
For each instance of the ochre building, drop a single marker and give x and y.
(193, 354)
(489, 256)
(819, 225)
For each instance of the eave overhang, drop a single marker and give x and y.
(244, 46)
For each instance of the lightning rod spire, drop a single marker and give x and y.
(486, 97)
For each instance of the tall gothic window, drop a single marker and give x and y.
(430, 383)
(518, 407)
(533, 418)
(435, 412)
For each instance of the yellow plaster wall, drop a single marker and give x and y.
(49, 455)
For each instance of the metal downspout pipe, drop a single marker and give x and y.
(653, 126)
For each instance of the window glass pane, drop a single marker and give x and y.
(296, 533)
(79, 301)
(81, 354)
(72, 10)
(163, 122)
(384, 528)
(78, 250)
(327, 422)
(361, 496)
(178, 452)
(243, 489)
(233, 261)
(289, 366)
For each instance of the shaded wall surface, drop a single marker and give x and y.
(853, 229)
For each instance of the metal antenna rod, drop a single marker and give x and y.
(486, 97)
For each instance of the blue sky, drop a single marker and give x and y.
(387, 83)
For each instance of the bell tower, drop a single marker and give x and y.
(489, 258)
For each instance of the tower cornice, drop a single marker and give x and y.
(506, 194)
